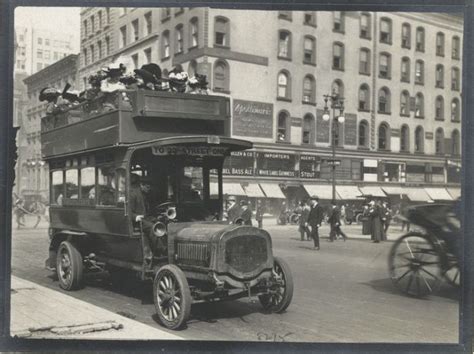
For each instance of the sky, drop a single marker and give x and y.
(65, 19)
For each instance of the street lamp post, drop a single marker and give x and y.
(337, 103)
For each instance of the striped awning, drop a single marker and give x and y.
(454, 192)
(272, 190)
(253, 190)
(232, 189)
(374, 191)
(394, 190)
(438, 193)
(323, 191)
(348, 192)
(417, 195)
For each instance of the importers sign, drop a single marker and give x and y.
(276, 164)
(252, 119)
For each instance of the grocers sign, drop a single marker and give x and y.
(252, 119)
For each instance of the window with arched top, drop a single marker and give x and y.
(405, 138)
(221, 76)
(308, 129)
(309, 89)
(192, 68)
(364, 61)
(405, 103)
(385, 30)
(338, 56)
(283, 132)
(284, 44)
(419, 105)
(439, 76)
(439, 108)
(385, 66)
(165, 44)
(337, 88)
(384, 100)
(284, 85)
(364, 134)
(455, 143)
(420, 39)
(456, 48)
(419, 139)
(384, 137)
(364, 97)
(193, 32)
(419, 72)
(439, 141)
(221, 32)
(365, 25)
(455, 111)
(440, 44)
(179, 40)
(405, 70)
(455, 79)
(406, 36)
(309, 50)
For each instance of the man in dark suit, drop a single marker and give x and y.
(315, 218)
(335, 223)
(139, 209)
(246, 213)
(233, 210)
(303, 227)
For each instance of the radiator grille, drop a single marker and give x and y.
(246, 253)
(193, 253)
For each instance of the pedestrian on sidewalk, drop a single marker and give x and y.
(303, 222)
(335, 223)
(386, 218)
(259, 213)
(315, 218)
(375, 214)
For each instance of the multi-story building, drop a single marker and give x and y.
(33, 173)
(38, 48)
(399, 74)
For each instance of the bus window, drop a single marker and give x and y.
(57, 184)
(88, 184)
(192, 184)
(72, 186)
(106, 185)
(121, 183)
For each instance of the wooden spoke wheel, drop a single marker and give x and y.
(415, 265)
(280, 295)
(69, 266)
(172, 296)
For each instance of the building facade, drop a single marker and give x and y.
(33, 172)
(399, 74)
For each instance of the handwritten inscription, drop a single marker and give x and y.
(273, 337)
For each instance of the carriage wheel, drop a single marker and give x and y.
(452, 272)
(415, 265)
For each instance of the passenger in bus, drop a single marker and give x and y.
(112, 82)
(139, 209)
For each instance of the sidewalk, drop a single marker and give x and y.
(39, 312)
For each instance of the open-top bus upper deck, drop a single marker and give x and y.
(132, 116)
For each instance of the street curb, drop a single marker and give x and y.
(40, 312)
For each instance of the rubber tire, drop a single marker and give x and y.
(77, 279)
(287, 296)
(185, 295)
(357, 219)
(391, 258)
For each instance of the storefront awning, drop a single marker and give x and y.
(233, 189)
(438, 193)
(394, 190)
(253, 190)
(373, 191)
(417, 194)
(455, 192)
(272, 190)
(323, 191)
(348, 192)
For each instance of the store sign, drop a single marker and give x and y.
(252, 119)
(275, 164)
(350, 129)
(159, 150)
(310, 166)
(239, 163)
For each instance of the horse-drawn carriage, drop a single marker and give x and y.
(419, 260)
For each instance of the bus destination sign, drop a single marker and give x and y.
(189, 150)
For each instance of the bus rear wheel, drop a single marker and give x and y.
(69, 266)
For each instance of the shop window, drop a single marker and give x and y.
(364, 97)
(406, 36)
(405, 139)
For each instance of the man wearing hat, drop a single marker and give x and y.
(315, 218)
(245, 213)
(139, 207)
(335, 223)
(233, 210)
